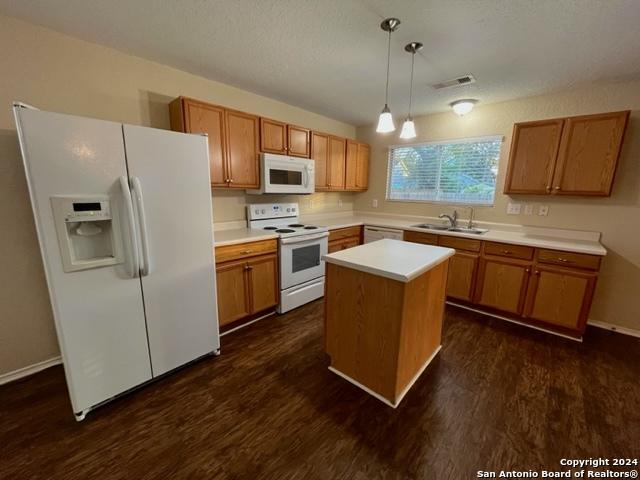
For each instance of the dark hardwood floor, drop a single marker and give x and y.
(498, 396)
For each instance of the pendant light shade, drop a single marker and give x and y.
(408, 127)
(385, 121)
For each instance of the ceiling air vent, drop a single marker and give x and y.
(456, 82)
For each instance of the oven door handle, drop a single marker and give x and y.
(304, 238)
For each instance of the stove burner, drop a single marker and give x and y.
(310, 227)
(295, 225)
(284, 230)
(270, 228)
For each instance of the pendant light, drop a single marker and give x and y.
(408, 127)
(385, 121)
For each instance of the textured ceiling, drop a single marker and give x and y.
(329, 56)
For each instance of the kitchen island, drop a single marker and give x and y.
(384, 305)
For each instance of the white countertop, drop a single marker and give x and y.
(394, 259)
(552, 238)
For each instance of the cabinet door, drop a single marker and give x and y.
(320, 156)
(589, 154)
(560, 297)
(263, 282)
(299, 140)
(351, 166)
(337, 153)
(209, 119)
(462, 274)
(362, 168)
(502, 284)
(273, 136)
(233, 292)
(534, 149)
(242, 149)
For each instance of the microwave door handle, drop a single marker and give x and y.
(132, 260)
(306, 177)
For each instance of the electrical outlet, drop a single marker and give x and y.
(374, 203)
(543, 210)
(528, 209)
(310, 203)
(513, 209)
(339, 202)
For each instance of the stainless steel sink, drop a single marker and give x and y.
(431, 226)
(445, 228)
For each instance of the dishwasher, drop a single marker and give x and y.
(371, 234)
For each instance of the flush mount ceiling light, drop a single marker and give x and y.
(408, 127)
(462, 107)
(385, 121)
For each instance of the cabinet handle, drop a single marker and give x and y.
(548, 188)
(527, 270)
(507, 252)
(231, 180)
(564, 260)
(536, 272)
(245, 252)
(557, 188)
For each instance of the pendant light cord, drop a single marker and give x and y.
(413, 57)
(386, 96)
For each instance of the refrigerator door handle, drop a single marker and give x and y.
(132, 260)
(145, 265)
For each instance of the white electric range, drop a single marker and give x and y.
(301, 248)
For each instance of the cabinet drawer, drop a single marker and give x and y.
(243, 250)
(460, 243)
(344, 233)
(507, 250)
(568, 259)
(420, 237)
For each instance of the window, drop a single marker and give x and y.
(453, 171)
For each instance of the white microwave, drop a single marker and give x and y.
(284, 174)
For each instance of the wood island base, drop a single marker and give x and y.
(382, 333)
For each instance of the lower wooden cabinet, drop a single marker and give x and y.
(502, 284)
(343, 238)
(462, 275)
(560, 296)
(247, 279)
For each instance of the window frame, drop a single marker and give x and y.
(500, 138)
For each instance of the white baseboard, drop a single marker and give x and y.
(614, 328)
(29, 370)
(380, 397)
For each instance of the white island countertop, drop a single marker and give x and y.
(394, 259)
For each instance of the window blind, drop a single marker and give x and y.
(455, 171)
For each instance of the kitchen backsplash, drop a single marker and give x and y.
(230, 206)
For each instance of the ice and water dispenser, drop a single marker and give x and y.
(87, 232)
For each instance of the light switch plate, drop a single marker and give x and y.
(543, 210)
(528, 209)
(374, 203)
(513, 209)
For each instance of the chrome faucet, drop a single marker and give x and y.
(470, 225)
(453, 219)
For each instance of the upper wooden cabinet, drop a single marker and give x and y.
(278, 137)
(320, 156)
(337, 163)
(232, 136)
(273, 136)
(299, 141)
(566, 156)
(589, 154)
(356, 166)
(534, 149)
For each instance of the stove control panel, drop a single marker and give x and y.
(265, 211)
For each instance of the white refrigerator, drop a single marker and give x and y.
(124, 221)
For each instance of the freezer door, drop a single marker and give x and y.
(98, 312)
(169, 174)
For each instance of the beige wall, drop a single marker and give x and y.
(617, 217)
(59, 73)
